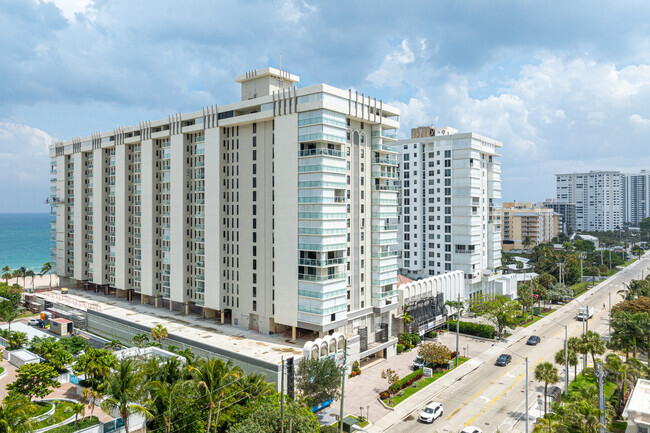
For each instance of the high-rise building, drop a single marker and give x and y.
(274, 213)
(636, 197)
(523, 222)
(448, 182)
(567, 212)
(598, 196)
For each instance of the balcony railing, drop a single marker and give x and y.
(321, 278)
(322, 263)
(321, 151)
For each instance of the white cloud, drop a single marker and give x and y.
(391, 70)
(23, 140)
(71, 7)
(637, 119)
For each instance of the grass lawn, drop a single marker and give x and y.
(407, 392)
(629, 262)
(610, 272)
(41, 408)
(619, 426)
(27, 314)
(589, 378)
(359, 423)
(579, 288)
(62, 412)
(2, 370)
(88, 421)
(521, 318)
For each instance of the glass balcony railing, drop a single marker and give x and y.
(321, 152)
(339, 200)
(321, 278)
(384, 282)
(384, 174)
(388, 161)
(321, 215)
(321, 167)
(321, 295)
(384, 254)
(322, 263)
(321, 247)
(385, 187)
(320, 231)
(386, 294)
(321, 311)
(322, 184)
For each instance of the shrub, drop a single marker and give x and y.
(431, 334)
(452, 355)
(400, 348)
(354, 373)
(405, 382)
(470, 328)
(384, 395)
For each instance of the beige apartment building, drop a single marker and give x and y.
(276, 213)
(522, 220)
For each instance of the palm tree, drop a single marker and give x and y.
(140, 340)
(572, 358)
(212, 375)
(22, 273)
(77, 409)
(623, 373)
(545, 372)
(113, 345)
(552, 425)
(8, 313)
(91, 396)
(6, 273)
(167, 399)
(46, 269)
(15, 414)
(255, 384)
(527, 242)
(30, 273)
(159, 333)
(593, 344)
(124, 391)
(587, 415)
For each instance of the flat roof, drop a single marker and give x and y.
(639, 401)
(270, 348)
(24, 355)
(62, 321)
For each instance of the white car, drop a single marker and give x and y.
(33, 322)
(430, 413)
(470, 429)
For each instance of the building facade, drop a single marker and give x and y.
(567, 213)
(448, 184)
(636, 197)
(598, 196)
(275, 213)
(524, 223)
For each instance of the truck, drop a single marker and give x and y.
(585, 313)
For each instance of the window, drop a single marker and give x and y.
(254, 153)
(254, 128)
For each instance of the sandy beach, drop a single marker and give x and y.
(37, 282)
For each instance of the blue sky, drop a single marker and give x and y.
(565, 85)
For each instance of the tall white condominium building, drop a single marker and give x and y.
(598, 196)
(272, 213)
(448, 183)
(636, 197)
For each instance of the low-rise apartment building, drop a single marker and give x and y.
(524, 225)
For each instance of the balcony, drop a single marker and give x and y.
(320, 152)
(322, 278)
(383, 148)
(384, 174)
(386, 228)
(321, 311)
(317, 199)
(385, 161)
(384, 254)
(385, 187)
(321, 247)
(322, 184)
(384, 294)
(385, 134)
(322, 263)
(321, 232)
(323, 216)
(321, 295)
(320, 168)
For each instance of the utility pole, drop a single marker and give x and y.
(527, 384)
(282, 398)
(457, 327)
(601, 396)
(582, 257)
(566, 360)
(344, 368)
(610, 258)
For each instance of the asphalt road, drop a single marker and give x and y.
(491, 397)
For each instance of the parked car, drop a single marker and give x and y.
(34, 322)
(418, 363)
(432, 412)
(533, 340)
(503, 360)
(470, 429)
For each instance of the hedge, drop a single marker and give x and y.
(471, 328)
(86, 422)
(405, 382)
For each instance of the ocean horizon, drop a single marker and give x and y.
(24, 240)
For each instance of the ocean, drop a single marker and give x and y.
(24, 240)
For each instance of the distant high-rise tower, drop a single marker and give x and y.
(636, 197)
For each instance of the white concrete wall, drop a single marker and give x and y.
(79, 272)
(99, 225)
(213, 191)
(177, 214)
(148, 218)
(122, 216)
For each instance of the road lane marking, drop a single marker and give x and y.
(590, 320)
(502, 394)
(479, 391)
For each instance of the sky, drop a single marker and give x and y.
(564, 85)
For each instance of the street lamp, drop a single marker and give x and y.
(566, 355)
(585, 322)
(526, 359)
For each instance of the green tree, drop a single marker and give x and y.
(434, 353)
(140, 340)
(558, 292)
(78, 409)
(586, 415)
(46, 269)
(525, 297)
(167, 400)
(593, 344)
(159, 333)
(527, 242)
(15, 414)
(91, 396)
(498, 310)
(74, 344)
(318, 380)
(95, 364)
(549, 425)
(572, 358)
(576, 346)
(9, 313)
(6, 273)
(34, 380)
(547, 373)
(265, 418)
(53, 353)
(212, 376)
(15, 339)
(622, 373)
(124, 391)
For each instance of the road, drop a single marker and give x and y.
(491, 397)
